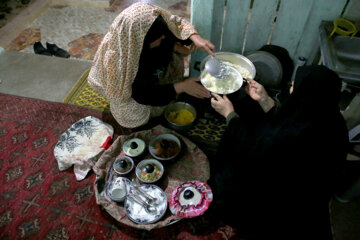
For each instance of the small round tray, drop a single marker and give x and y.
(137, 212)
(185, 207)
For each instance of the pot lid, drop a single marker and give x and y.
(268, 69)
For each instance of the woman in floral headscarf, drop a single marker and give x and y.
(139, 64)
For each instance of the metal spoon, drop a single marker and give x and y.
(148, 208)
(216, 68)
(149, 199)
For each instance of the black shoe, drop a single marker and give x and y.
(55, 50)
(39, 49)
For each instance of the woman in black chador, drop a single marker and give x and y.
(276, 168)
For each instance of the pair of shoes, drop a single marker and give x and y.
(56, 51)
(39, 49)
(51, 49)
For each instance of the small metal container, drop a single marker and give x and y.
(177, 106)
(123, 165)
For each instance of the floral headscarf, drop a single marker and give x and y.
(117, 59)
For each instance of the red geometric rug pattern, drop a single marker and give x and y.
(37, 201)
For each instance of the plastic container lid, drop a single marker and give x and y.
(134, 147)
(344, 27)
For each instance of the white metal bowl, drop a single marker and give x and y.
(233, 58)
(141, 165)
(227, 85)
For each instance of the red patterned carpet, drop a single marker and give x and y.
(37, 201)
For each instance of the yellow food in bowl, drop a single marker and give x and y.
(181, 117)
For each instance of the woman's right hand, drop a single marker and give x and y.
(222, 104)
(192, 87)
(203, 44)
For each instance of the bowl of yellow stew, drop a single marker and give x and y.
(180, 116)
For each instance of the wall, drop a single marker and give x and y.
(243, 26)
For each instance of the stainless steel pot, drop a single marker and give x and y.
(233, 85)
(234, 58)
(227, 85)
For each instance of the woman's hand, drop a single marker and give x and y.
(192, 87)
(203, 44)
(222, 104)
(257, 92)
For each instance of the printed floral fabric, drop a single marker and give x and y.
(82, 144)
(116, 62)
(190, 164)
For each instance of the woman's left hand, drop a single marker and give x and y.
(203, 44)
(192, 87)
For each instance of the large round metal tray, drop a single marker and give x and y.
(268, 67)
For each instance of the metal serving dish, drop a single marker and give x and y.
(227, 85)
(234, 81)
(233, 58)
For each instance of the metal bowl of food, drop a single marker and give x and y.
(237, 66)
(226, 85)
(149, 170)
(165, 146)
(180, 116)
(238, 61)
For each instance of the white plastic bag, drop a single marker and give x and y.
(82, 144)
